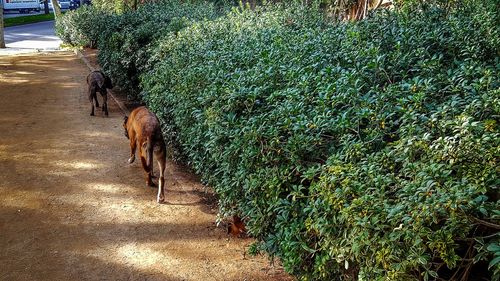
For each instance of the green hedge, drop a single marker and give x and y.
(363, 150)
(355, 151)
(83, 26)
(126, 40)
(126, 45)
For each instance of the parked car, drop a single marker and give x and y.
(64, 4)
(75, 4)
(24, 6)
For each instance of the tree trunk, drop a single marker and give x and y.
(46, 6)
(358, 9)
(2, 39)
(57, 9)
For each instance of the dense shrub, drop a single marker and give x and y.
(115, 6)
(364, 150)
(126, 44)
(82, 27)
(120, 6)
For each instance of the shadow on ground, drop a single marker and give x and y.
(71, 208)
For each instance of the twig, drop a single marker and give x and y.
(387, 74)
(465, 259)
(482, 237)
(486, 223)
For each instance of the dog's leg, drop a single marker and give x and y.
(133, 146)
(148, 171)
(146, 152)
(161, 157)
(91, 98)
(105, 102)
(96, 101)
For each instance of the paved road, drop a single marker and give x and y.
(31, 37)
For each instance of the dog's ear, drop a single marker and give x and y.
(125, 119)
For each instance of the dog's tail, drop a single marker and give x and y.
(149, 154)
(106, 81)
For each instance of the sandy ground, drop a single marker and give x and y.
(71, 208)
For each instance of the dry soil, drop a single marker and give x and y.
(71, 208)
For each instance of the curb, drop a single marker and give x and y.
(91, 68)
(8, 51)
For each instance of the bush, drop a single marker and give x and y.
(125, 45)
(115, 6)
(360, 150)
(83, 26)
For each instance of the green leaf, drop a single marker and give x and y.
(494, 262)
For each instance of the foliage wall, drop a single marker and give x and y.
(355, 151)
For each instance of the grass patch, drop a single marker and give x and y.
(28, 19)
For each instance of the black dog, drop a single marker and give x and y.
(99, 82)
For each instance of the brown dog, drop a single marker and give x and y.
(237, 227)
(142, 128)
(98, 82)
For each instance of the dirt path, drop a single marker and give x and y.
(71, 208)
